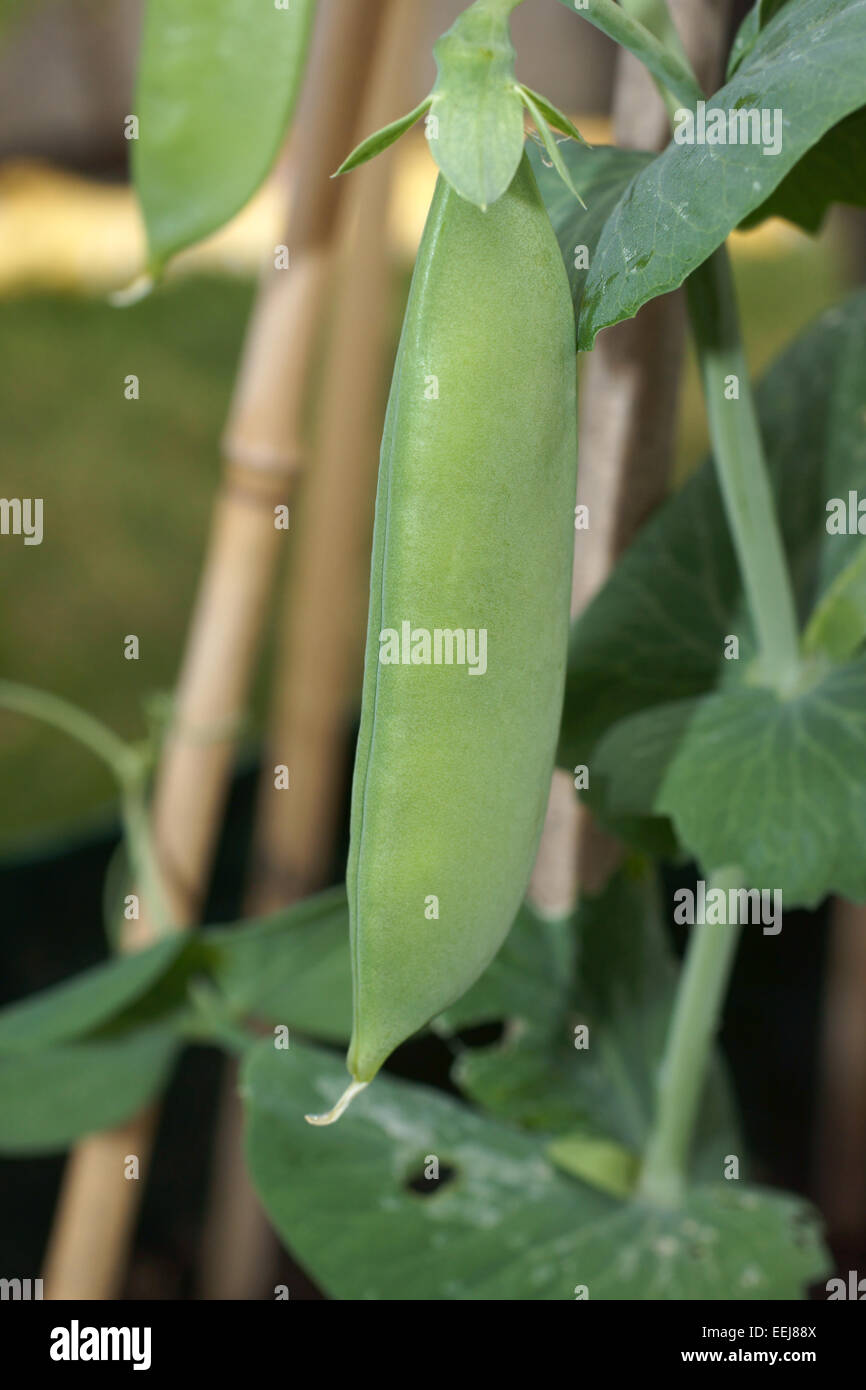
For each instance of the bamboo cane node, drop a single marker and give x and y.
(238, 489)
(261, 463)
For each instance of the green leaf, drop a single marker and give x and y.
(600, 174)
(628, 766)
(807, 63)
(804, 833)
(799, 767)
(533, 967)
(79, 1005)
(552, 114)
(217, 85)
(341, 1199)
(293, 968)
(533, 1078)
(476, 126)
(654, 636)
(52, 1097)
(598, 1162)
(758, 17)
(833, 171)
(625, 955)
(726, 1243)
(744, 40)
(381, 139)
(838, 625)
(504, 1225)
(550, 145)
(769, 9)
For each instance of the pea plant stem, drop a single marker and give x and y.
(125, 763)
(703, 982)
(139, 846)
(69, 719)
(742, 470)
(663, 60)
(656, 18)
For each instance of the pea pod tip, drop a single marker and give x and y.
(330, 1116)
(136, 290)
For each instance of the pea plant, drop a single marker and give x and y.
(708, 704)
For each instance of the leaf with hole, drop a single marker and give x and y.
(506, 1224)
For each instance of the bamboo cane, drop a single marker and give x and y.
(262, 456)
(322, 627)
(627, 417)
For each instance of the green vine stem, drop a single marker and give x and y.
(656, 18)
(664, 60)
(136, 832)
(703, 983)
(127, 765)
(77, 723)
(742, 470)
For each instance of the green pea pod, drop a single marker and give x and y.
(468, 620)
